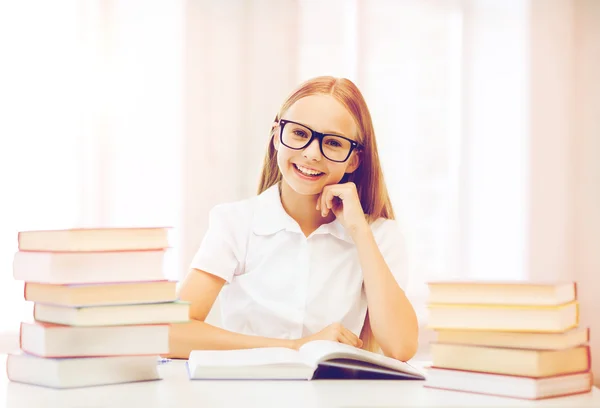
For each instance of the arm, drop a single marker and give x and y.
(392, 317)
(201, 290)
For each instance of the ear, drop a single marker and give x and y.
(354, 162)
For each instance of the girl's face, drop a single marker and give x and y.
(307, 171)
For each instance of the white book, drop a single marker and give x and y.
(113, 315)
(80, 372)
(49, 340)
(509, 386)
(314, 360)
(89, 267)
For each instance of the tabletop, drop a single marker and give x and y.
(176, 390)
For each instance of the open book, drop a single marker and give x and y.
(318, 359)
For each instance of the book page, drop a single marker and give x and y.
(319, 350)
(323, 350)
(241, 358)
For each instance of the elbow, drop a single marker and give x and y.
(181, 341)
(404, 352)
(177, 346)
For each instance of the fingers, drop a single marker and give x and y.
(329, 200)
(356, 342)
(325, 200)
(347, 337)
(341, 338)
(324, 208)
(337, 332)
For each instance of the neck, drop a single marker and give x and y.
(303, 209)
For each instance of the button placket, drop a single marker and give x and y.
(304, 282)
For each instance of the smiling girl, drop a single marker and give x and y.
(317, 253)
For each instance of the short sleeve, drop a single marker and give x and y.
(218, 253)
(392, 244)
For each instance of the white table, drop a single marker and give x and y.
(176, 390)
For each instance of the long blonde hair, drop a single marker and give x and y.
(368, 177)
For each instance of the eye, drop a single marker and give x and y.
(334, 143)
(300, 133)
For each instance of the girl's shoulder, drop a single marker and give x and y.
(248, 214)
(235, 212)
(387, 229)
(383, 224)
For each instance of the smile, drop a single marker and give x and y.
(307, 172)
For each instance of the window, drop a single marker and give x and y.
(91, 127)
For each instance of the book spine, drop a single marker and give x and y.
(99, 251)
(21, 336)
(588, 334)
(589, 356)
(95, 355)
(8, 364)
(511, 396)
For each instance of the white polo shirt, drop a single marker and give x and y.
(282, 284)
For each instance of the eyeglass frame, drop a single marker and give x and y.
(314, 134)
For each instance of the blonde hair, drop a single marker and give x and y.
(368, 177)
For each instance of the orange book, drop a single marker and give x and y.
(510, 361)
(524, 340)
(94, 239)
(502, 292)
(102, 294)
(511, 318)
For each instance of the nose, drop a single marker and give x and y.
(313, 151)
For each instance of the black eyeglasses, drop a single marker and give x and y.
(297, 136)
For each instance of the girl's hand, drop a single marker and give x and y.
(343, 200)
(334, 332)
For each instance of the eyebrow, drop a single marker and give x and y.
(330, 132)
(334, 133)
(327, 132)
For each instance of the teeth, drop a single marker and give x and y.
(308, 172)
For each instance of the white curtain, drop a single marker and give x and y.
(151, 112)
(91, 122)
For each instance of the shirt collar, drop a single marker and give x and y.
(270, 218)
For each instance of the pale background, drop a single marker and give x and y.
(487, 114)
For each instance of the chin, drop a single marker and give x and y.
(302, 188)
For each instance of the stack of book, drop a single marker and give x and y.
(515, 339)
(102, 306)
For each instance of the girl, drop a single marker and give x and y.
(316, 254)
